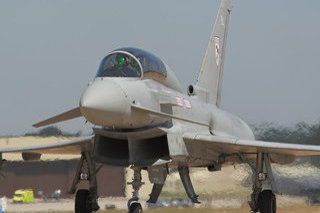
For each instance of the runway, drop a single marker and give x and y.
(286, 204)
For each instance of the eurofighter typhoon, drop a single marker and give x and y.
(143, 120)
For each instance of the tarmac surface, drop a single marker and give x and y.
(228, 188)
(120, 203)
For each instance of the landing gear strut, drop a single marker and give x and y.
(263, 201)
(133, 205)
(86, 200)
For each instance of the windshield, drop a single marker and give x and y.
(119, 65)
(152, 65)
(18, 195)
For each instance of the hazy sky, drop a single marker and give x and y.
(50, 50)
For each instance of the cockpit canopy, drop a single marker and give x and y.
(119, 64)
(132, 62)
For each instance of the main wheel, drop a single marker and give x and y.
(135, 208)
(267, 202)
(81, 202)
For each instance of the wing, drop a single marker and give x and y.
(71, 114)
(66, 147)
(234, 145)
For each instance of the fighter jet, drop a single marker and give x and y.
(144, 120)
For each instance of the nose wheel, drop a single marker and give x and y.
(135, 208)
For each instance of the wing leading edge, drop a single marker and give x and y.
(71, 147)
(235, 145)
(71, 114)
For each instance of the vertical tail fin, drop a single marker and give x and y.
(211, 72)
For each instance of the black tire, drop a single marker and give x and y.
(135, 208)
(81, 201)
(267, 202)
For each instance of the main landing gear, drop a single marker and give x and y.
(133, 205)
(86, 200)
(2, 163)
(263, 201)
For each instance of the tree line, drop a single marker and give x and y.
(300, 133)
(53, 131)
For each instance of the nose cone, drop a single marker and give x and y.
(105, 103)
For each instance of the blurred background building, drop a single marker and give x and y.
(53, 172)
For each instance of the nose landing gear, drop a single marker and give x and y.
(133, 205)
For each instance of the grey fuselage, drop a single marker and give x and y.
(158, 97)
(114, 105)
